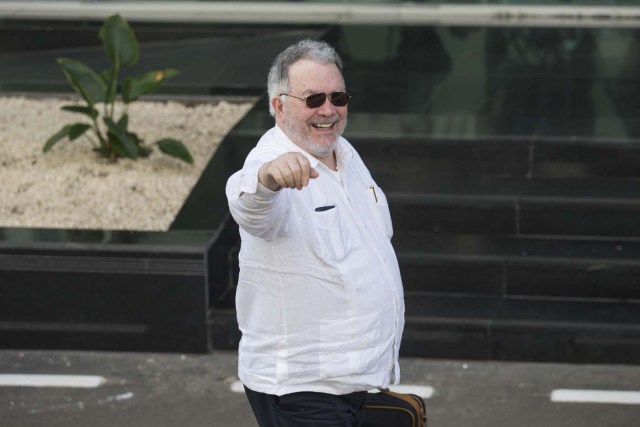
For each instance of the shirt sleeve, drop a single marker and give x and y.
(257, 210)
(244, 181)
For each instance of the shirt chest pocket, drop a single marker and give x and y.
(332, 236)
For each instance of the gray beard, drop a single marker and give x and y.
(317, 150)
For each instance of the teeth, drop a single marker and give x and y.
(323, 125)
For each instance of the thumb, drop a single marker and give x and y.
(313, 173)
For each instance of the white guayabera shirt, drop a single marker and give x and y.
(319, 299)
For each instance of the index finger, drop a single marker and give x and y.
(305, 170)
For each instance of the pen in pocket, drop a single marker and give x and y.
(373, 192)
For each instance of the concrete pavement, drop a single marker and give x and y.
(150, 389)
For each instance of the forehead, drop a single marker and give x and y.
(306, 76)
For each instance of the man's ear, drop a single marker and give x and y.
(277, 104)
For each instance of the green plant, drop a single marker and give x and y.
(113, 137)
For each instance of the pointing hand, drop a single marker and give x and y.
(290, 170)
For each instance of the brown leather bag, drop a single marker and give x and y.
(391, 409)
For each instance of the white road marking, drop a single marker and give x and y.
(120, 397)
(423, 391)
(83, 404)
(37, 380)
(596, 396)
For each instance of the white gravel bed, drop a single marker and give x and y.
(72, 187)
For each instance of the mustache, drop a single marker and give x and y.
(324, 120)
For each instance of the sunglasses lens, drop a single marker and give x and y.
(316, 100)
(340, 99)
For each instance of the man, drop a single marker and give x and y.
(319, 300)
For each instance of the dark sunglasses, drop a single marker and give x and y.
(338, 99)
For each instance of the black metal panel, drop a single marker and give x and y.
(561, 331)
(587, 159)
(88, 298)
(223, 327)
(452, 276)
(490, 328)
(443, 216)
(446, 339)
(587, 281)
(580, 219)
(448, 327)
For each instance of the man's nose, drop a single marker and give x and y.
(327, 108)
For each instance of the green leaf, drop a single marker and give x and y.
(87, 111)
(77, 130)
(111, 125)
(123, 145)
(120, 42)
(56, 137)
(117, 145)
(134, 87)
(123, 123)
(106, 75)
(175, 148)
(144, 151)
(73, 131)
(120, 138)
(86, 82)
(109, 78)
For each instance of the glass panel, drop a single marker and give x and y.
(479, 82)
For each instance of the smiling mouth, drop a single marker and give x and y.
(322, 125)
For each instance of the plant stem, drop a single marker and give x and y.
(103, 141)
(113, 85)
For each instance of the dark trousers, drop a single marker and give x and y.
(308, 409)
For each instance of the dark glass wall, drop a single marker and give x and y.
(472, 82)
